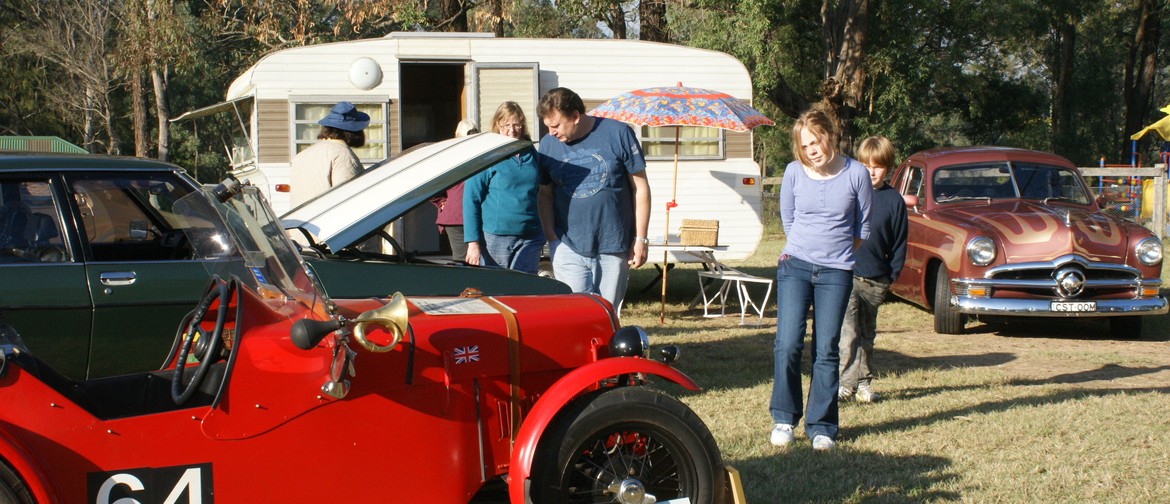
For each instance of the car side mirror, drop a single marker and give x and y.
(911, 200)
(138, 230)
(1101, 201)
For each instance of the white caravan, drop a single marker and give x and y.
(417, 86)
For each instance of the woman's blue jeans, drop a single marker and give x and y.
(520, 253)
(799, 285)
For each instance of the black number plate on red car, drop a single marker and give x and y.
(1074, 306)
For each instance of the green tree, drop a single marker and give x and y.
(70, 38)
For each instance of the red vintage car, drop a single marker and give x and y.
(1013, 232)
(272, 392)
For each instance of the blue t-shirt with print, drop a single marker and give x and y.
(593, 201)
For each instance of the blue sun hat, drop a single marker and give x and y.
(344, 116)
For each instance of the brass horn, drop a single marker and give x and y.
(392, 317)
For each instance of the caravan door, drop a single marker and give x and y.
(435, 97)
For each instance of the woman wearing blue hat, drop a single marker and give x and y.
(331, 160)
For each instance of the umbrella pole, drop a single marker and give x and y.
(666, 234)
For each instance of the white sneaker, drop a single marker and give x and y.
(782, 435)
(822, 442)
(844, 394)
(865, 394)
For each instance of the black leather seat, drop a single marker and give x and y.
(14, 220)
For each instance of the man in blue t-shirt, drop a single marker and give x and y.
(594, 198)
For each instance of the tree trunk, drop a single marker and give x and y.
(618, 23)
(453, 16)
(138, 111)
(1141, 67)
(498, 17)
(845, 25)
(89, 136)
(791, 103)
(162, 110)
(1062, 74)
(652, 27)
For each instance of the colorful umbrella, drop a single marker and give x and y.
(680, 106)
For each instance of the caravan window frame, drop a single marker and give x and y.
(644, 135)
(364, 104)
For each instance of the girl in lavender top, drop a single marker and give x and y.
(824, 206)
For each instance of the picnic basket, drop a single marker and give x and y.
(699, 232)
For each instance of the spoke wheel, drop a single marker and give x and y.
(628, 445)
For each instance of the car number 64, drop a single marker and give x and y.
(151, 485)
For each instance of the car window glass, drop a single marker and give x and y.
(130, 217)
(979, 181)
(30, 223)
(1049, 182)
(914, 186)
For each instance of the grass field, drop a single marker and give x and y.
(1023, 412)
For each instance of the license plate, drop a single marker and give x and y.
(1074, 306)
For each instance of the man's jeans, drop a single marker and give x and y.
(859, 331)
(520, 253)
(800, 284)
(606, 274)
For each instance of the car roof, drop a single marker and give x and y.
(24, 162)
(942, 156)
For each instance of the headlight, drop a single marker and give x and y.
(629, 341)
(1149, 251)
(981, 251)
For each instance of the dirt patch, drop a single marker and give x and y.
(1077, 352)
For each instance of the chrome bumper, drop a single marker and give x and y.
(1043, 307)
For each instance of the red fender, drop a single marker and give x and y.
(21, 461)
(559, 394)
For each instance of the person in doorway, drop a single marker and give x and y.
(501, 223)
(594, 197)
(450, 204)
(877, 262)
(331, 160)
(824, 207)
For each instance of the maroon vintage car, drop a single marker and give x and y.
(1004, 231)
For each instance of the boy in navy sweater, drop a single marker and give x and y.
(878, 261)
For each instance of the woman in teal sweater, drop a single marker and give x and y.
(501, 224)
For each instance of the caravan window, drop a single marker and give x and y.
(305, 128)
(694, 142)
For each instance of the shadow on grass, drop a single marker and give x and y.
(1106, 372)
(797, 474)
(1155, 328)
(987, 407)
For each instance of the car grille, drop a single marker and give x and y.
(1067, 277)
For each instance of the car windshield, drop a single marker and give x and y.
(239, 236)
(1005, 180)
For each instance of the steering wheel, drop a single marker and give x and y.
(194, 335)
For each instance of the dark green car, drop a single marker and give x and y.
(96, 271)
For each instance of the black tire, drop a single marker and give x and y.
(947, 319)
(644, 435)
(12, 488)
(1125, 327)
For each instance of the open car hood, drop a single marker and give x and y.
(349, 212)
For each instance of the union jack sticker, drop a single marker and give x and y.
(464, 355)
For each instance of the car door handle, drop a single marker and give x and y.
(118, 277)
